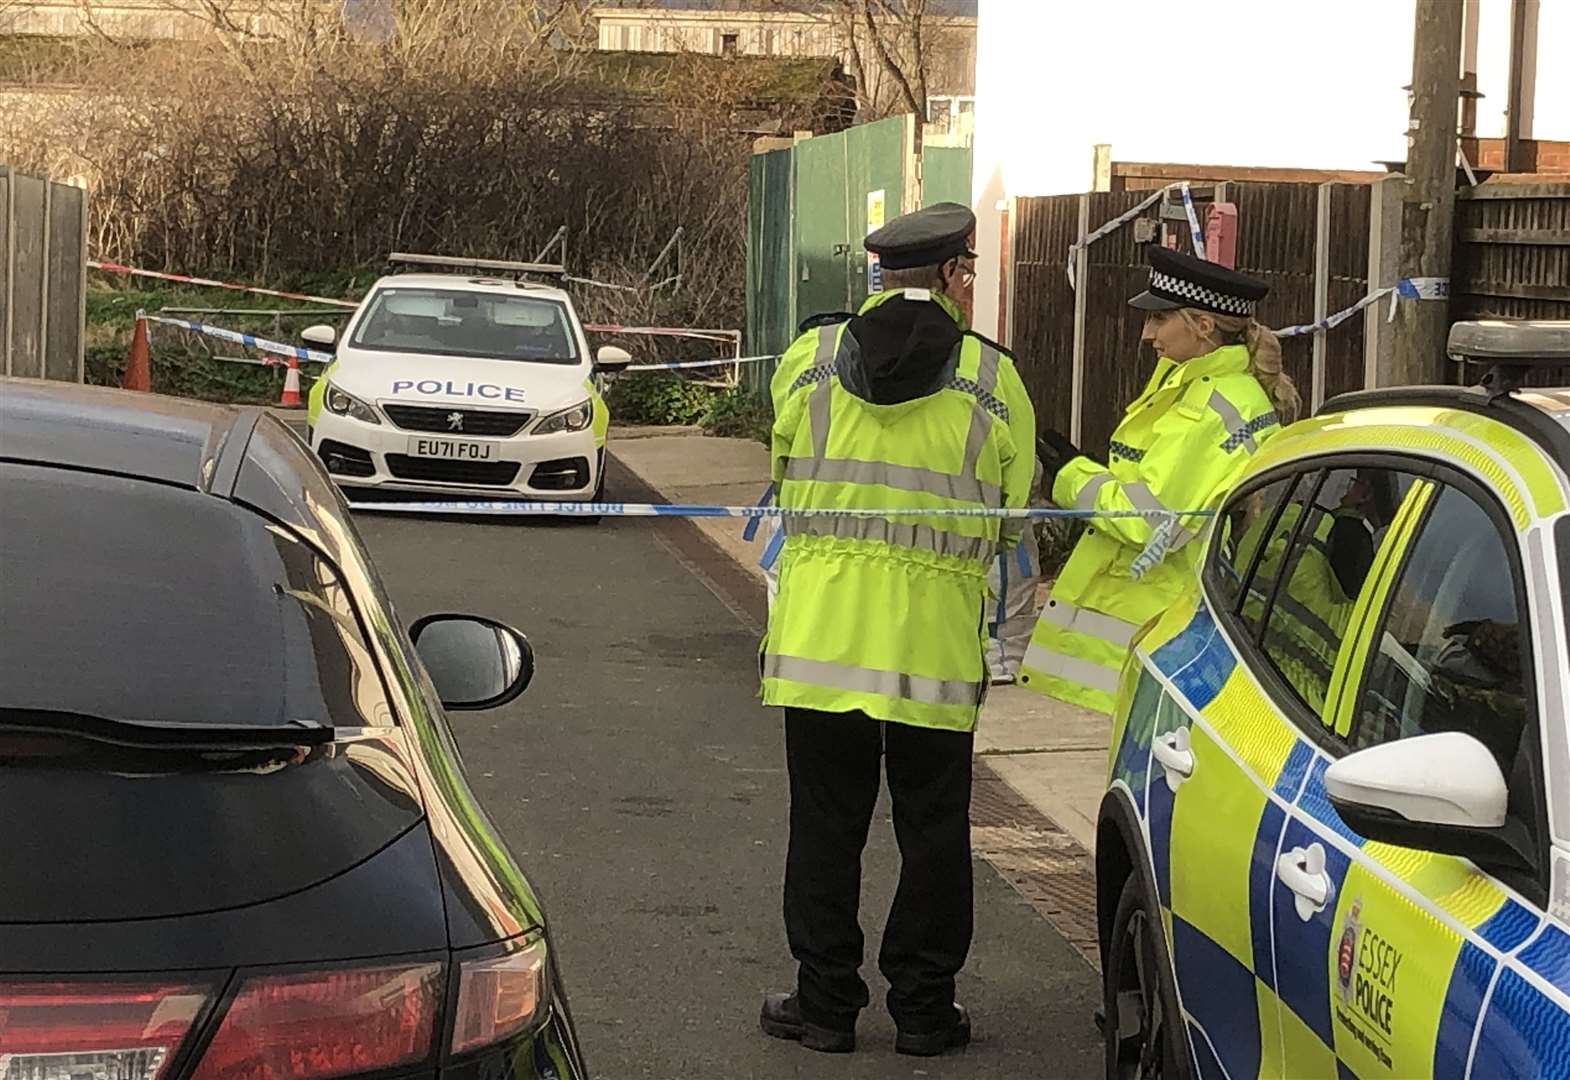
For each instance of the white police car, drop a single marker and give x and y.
(1336, 836)
(455, 383)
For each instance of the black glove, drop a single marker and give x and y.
(1051, 446)
(1054, 451)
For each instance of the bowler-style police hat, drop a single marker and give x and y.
(1183, 281)
(927, 237)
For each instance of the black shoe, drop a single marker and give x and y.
(933, 1043)
(781, 1018)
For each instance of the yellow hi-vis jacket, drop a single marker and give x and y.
(1313, 606)
(1179, 445)
(887, 614)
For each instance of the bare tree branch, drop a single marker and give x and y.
(875, 32)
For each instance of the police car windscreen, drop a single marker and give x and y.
(141, 602)
(454, 322)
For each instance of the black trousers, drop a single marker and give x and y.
(833, 759)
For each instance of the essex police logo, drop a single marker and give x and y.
(1367, 964)
(1346, 952)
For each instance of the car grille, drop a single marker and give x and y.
(475, 421)
(437, 471)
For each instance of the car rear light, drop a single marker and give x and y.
(499, 996)
(94, 1030)
(326, 1023)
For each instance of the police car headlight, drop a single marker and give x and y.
(574, 419)
(346, 404)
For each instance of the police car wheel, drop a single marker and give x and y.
(1143, 1025)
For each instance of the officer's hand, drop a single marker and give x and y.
(1054, 447)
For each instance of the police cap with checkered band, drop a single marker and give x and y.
(927, 237)
(1183, 281)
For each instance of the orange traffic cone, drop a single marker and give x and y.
(291, 386)
(138, 369)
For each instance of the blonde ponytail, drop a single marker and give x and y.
(1264, 363)
(1264, 356)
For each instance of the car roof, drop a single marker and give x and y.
(475, 283)
(146, 436)
(235, 453)
(1540, 413)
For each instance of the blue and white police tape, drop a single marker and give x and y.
(250, 341)
(1153, 552)
(1427, 288)
(1196, 234)
(718, 362)
(1113, 226)
(533, 508)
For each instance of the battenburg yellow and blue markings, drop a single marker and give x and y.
(1417, 965)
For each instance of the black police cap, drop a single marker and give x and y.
(927, 237)
(1178, 281)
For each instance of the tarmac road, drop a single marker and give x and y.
(642, 787)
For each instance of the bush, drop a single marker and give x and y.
(654, 397)
(1055, 539)
(738, 413)
(294, 159)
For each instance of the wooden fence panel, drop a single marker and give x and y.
(1512, 260)
(1344, 361)
(1043, 304)
(1117, 364)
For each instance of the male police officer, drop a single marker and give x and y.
(877, 634)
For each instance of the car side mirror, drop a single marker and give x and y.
(611, 359)
(476, 663)
(1441, 792)
(321, 334)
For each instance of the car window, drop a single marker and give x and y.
(456, 322)
(1243, 526)
(1336, 530)
(136, 601)
(1452, 654)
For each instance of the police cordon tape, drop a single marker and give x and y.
(1195, 233)
(700, 333)
(250, 341)
(532, 508)
(697, 333)
(720, 362)
(314, 356)
(1417, 288)
(185, 279)
(1113, 226)
(1152, 554)
(1423, 288)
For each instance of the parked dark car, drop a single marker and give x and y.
(236, 840)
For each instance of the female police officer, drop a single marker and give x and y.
(1216, 393)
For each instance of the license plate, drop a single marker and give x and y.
(452, 449)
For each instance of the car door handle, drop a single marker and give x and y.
(1173, 754)
(1303, 871)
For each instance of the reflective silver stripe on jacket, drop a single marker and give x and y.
(902, 477)
(818, 405)
(1103, 627)
(981, 418)
(899, 533)
(1240, 432)
(1141, 497)
(1086, 499)
(894, 684)
(1044, 660)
